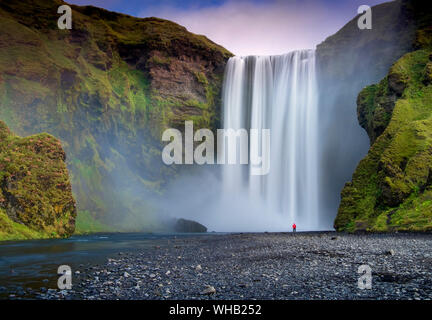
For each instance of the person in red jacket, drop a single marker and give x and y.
(294, 227)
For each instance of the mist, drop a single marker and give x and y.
(155, 194)
(199, 196)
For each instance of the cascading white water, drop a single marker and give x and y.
(277, 93)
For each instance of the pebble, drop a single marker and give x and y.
(208, 290)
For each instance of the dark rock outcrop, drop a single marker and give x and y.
(183, 225)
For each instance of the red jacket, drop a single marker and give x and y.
(294, 226)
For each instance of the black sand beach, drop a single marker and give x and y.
(319, 265)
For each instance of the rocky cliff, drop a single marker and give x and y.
(346, 62)
(35, 192)
(361, 55)
(107, 88)
(391, 189)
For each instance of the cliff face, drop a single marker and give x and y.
(346, 62)
(107, 88)
(35, 192)
(361, 56)
(391, 189)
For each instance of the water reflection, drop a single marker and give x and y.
(33, 264)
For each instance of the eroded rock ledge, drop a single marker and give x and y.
(35, 192)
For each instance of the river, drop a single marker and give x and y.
(33, 264)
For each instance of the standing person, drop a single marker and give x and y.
(294, 227)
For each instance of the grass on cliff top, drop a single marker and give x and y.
(154, 32)
(107, 26)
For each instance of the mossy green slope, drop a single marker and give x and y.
(107, 88)
(391, 189)
(35, 192)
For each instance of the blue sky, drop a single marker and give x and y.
(248, 26)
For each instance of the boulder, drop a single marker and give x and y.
(183, 225)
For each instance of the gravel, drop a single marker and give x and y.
(320, 265)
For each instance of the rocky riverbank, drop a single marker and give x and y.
(262, 266)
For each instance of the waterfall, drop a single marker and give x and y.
(277, 93)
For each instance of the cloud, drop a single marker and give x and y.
(246, 28)
(97, 3)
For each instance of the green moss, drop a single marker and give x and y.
(35, 191)
(162, 61)
(380, 223)
(391, 187)
(201, 78)
(99, 88)
(10, 230)
(415, 214)
(86, 223)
